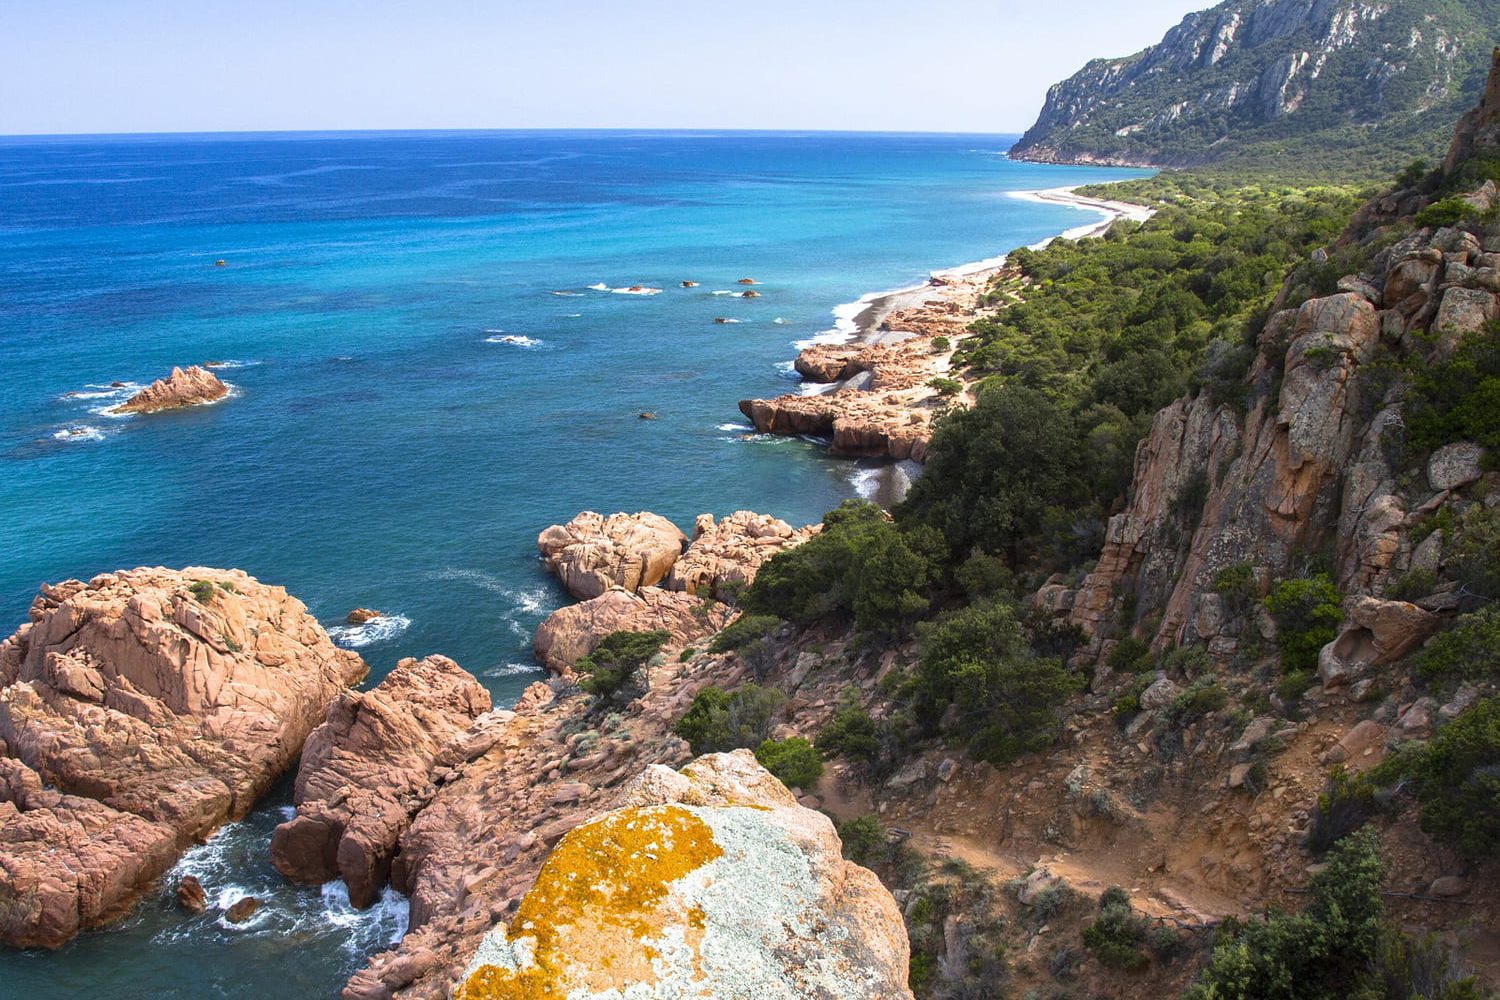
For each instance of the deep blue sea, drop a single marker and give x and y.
(432, 360)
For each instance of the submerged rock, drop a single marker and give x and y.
(367, 770)
(173, 699)
(360, 616)
(242, 909)
(183, 387)
(708, 882)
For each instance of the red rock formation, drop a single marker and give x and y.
(592, 553)
(184, 387)
(723, 557)
(173, 697)
(574, 631)
(368, 769)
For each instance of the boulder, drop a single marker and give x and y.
(746, 895)
(367, 770)
(183, 387)
(190, 895)
(574, 631)
(1159, 694)
(360, 616)
(1376, 632)
(174, 699)
(592, 553)
(723, 557)
(1455, 465)
(1365, 738)
(242, 909)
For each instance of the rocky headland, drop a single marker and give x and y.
(184, 387)
(139, 711)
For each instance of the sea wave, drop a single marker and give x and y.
(382, 629)
(513, 339)
(845, 328)
(103, 391)
(566, 294)
(230, 363)
(512, 670)
(80, 433)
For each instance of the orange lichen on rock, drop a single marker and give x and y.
(598, 895)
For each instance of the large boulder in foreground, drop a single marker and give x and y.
(184, 387)
(177, 697)
(368, 769)
(724, 557)
(711, 882)
(592, 553)
(575, 631)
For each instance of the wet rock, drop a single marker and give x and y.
(183, 387)
(242, 909)
(360, 616)
(190, 895)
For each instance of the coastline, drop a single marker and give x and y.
(874, 308)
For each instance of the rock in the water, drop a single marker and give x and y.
(68, 863)
(367, 770)
(172, 698)
(574, 631)
(360, 616)
(184, 387)
(242, 909)
(723, 557)
(190, 895)
(593, 553)
(709, 882)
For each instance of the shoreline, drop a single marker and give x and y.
(875, 307)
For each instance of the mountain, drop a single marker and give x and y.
(1350, 88)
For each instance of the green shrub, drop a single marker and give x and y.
(1307, 616)
(1346, 804)
(202, 591)
(861, 566)
(1129, 703)
(1294, 685)
(743, 631)
(1325, 952)
(1007, 698)
(1193, 703)
(1448, 212)
(1116, 936)
(794, 761)
(1472, 552)
(611, 668)
(1456, 398)
(1238, 586)
(1468, 651)
(946, 386)
(1130, 655)
(851, 732)
(940, 344)
(864, 839)
(1456, 777)
(719, 721)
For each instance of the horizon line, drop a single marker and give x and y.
(677, 130)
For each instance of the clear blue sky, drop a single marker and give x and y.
(220, 65)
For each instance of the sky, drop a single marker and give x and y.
(229, 65)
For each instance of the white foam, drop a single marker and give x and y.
(743, 428)
(513, 339)
(722, 320)
(727, 291)
(780, 322)
(381, 629)
(81, 433)
(571, 295)
(600, 287)
(512, 669)
(230, 363)
(636, 290)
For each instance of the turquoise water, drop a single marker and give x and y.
(385, 445)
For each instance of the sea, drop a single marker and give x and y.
(439, 343)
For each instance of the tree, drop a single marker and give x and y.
(719, 721)
(610, 669)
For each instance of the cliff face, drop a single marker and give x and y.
(1230, 83)
(1312, 470)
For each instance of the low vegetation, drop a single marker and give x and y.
(609, 672)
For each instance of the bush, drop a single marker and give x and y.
(1294, 685)
(1307, 616)
(1346, 804)
(940, 344)
(718, 721)
(202, 591)
(1456, 777)
(1469, 651)
(1130, 655)
(1448, 212)
(795, 762)
(1327, 951)
(610, 669)
(851, 732)
(743, 631)
(1116, 936)
(861, 566)
(1238, 586)
(864, 839)
(1472, 555)
(1007, 698)
(946, 386)
(1457, 398)
(1197, 700)
(1129, 703)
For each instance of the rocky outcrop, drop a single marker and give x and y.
(184, 387)
(67, 862)
(858, 423)
(368, 769)
(574, 631)
(592, 553)
(708, 882)
(172, 698)
(724, 556)
(1479, 130)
